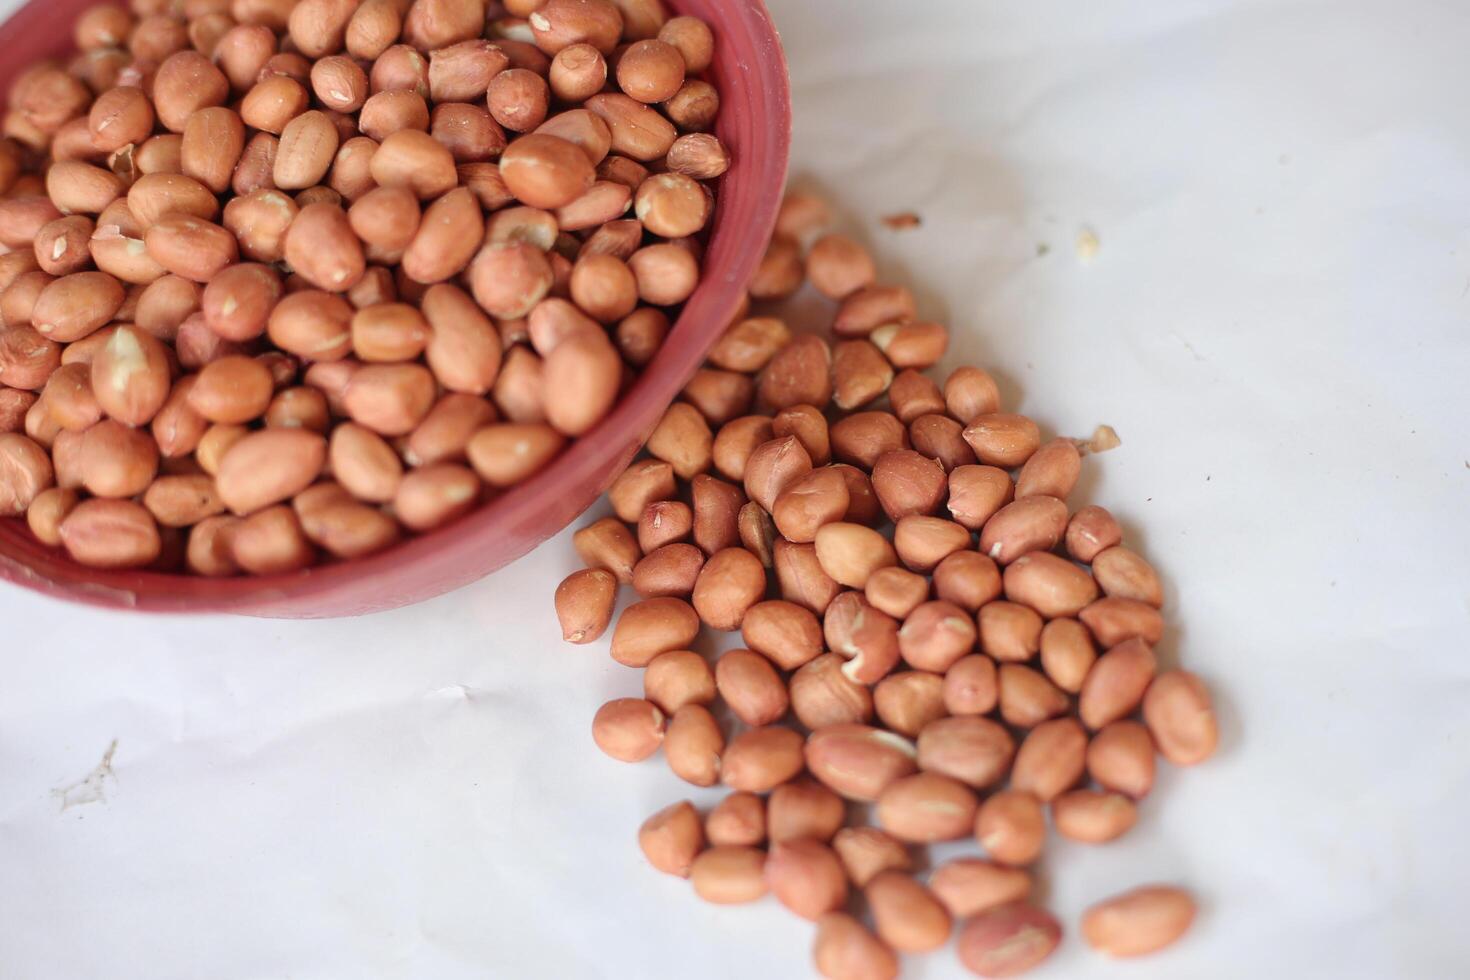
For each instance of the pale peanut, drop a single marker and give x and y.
(1143, 920)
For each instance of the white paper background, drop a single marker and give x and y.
(1275, 323)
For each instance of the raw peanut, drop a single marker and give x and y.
(719, 395)
(560, 23)
(577, 73)
(232, 390)
(555, 321)
(417, 161)
(119, 117)
(850, 553)
(730, 582)
(1051, 759)
(908, 484)
(664, 522)
(940, 437)
(585, 372)
(392, 399)
(969, 886)
(346, 528)
(61, 247)
(259, 221)
(254, 172)
(181, 501)
(518, 99)
(157, 196)
(432, 24)
(809, 426)
(867, 637)
(651, 70)
(673, 679)
(694, 42)
(76, 306)
(666, 273)
(908, 701)
(638, 131)
(1091, 531)
(1049, 584)
(462, 72)
(271, 542)
(857, 761)
(339, 83)
(785, 633)
(671, 570)
(386, 217)
(642, 483)
(312, 324)
(584, 605)
(1011, 827)
(799, 374)
(806, 877)
(46, 512)
(845, 950)
(130, 376)
(110, 534)
(683, 439)
(445, 432)
(322, 249)
(214, 443)
(780, 272)
(1093, 817)
(895, 591)
(976, 751)
(16, 307)
(936, 635)
(1124, 574)
(463, 350)
(906, 915)
(925, 808)
(671, 205)
(1115, 686)
(509, 278)
(692, 745)
(297, 408)
(269, 466)
(729, 874)
(672, 838)
(27, 359)
(116, 460)
(25, 471)
(364, 463)
(970, 392)
(81, 188)
(609, 544)
(1008, 941)
(1008, 631)
(1143, 920)
(318, 27)
(970, 686)
(628, 729)
(1026, 525)
(190, 247)
(447, 238)
(1027, 698)
(1120, 757)
(388, 332)
(911, 345)
(872, 307)
(1113, 620)
(1179, 715)
(804, 809)
(603, 286)
(213, 140)
(822, 695)
(760, 759)
(923, 542)
(838, 266)
(1067, 653)
(867, 852)
(238, 302)
(23, 216)
(391, 112)
(307, 147)
(809, 502)
(739, 820)
(372, 28)
(1052, 470)
(913, 395)
(736, 441)
(802, 579)
(976, 493)
(651, 627)
(968, 579)
(751, 687)
(69, 399)
(603, 204)
(698, 155)
(211, 546)
(1003, 440)
(186, 82)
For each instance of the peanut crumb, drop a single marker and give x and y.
(902, 221)
(1088, 244)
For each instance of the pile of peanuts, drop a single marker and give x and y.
(288, 279)
(929, 631)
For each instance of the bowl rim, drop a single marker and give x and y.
(430, 564)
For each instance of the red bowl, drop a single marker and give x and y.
(755, 123)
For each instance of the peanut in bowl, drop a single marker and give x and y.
(376, 361)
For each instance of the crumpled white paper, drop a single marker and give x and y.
(1274, 320)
